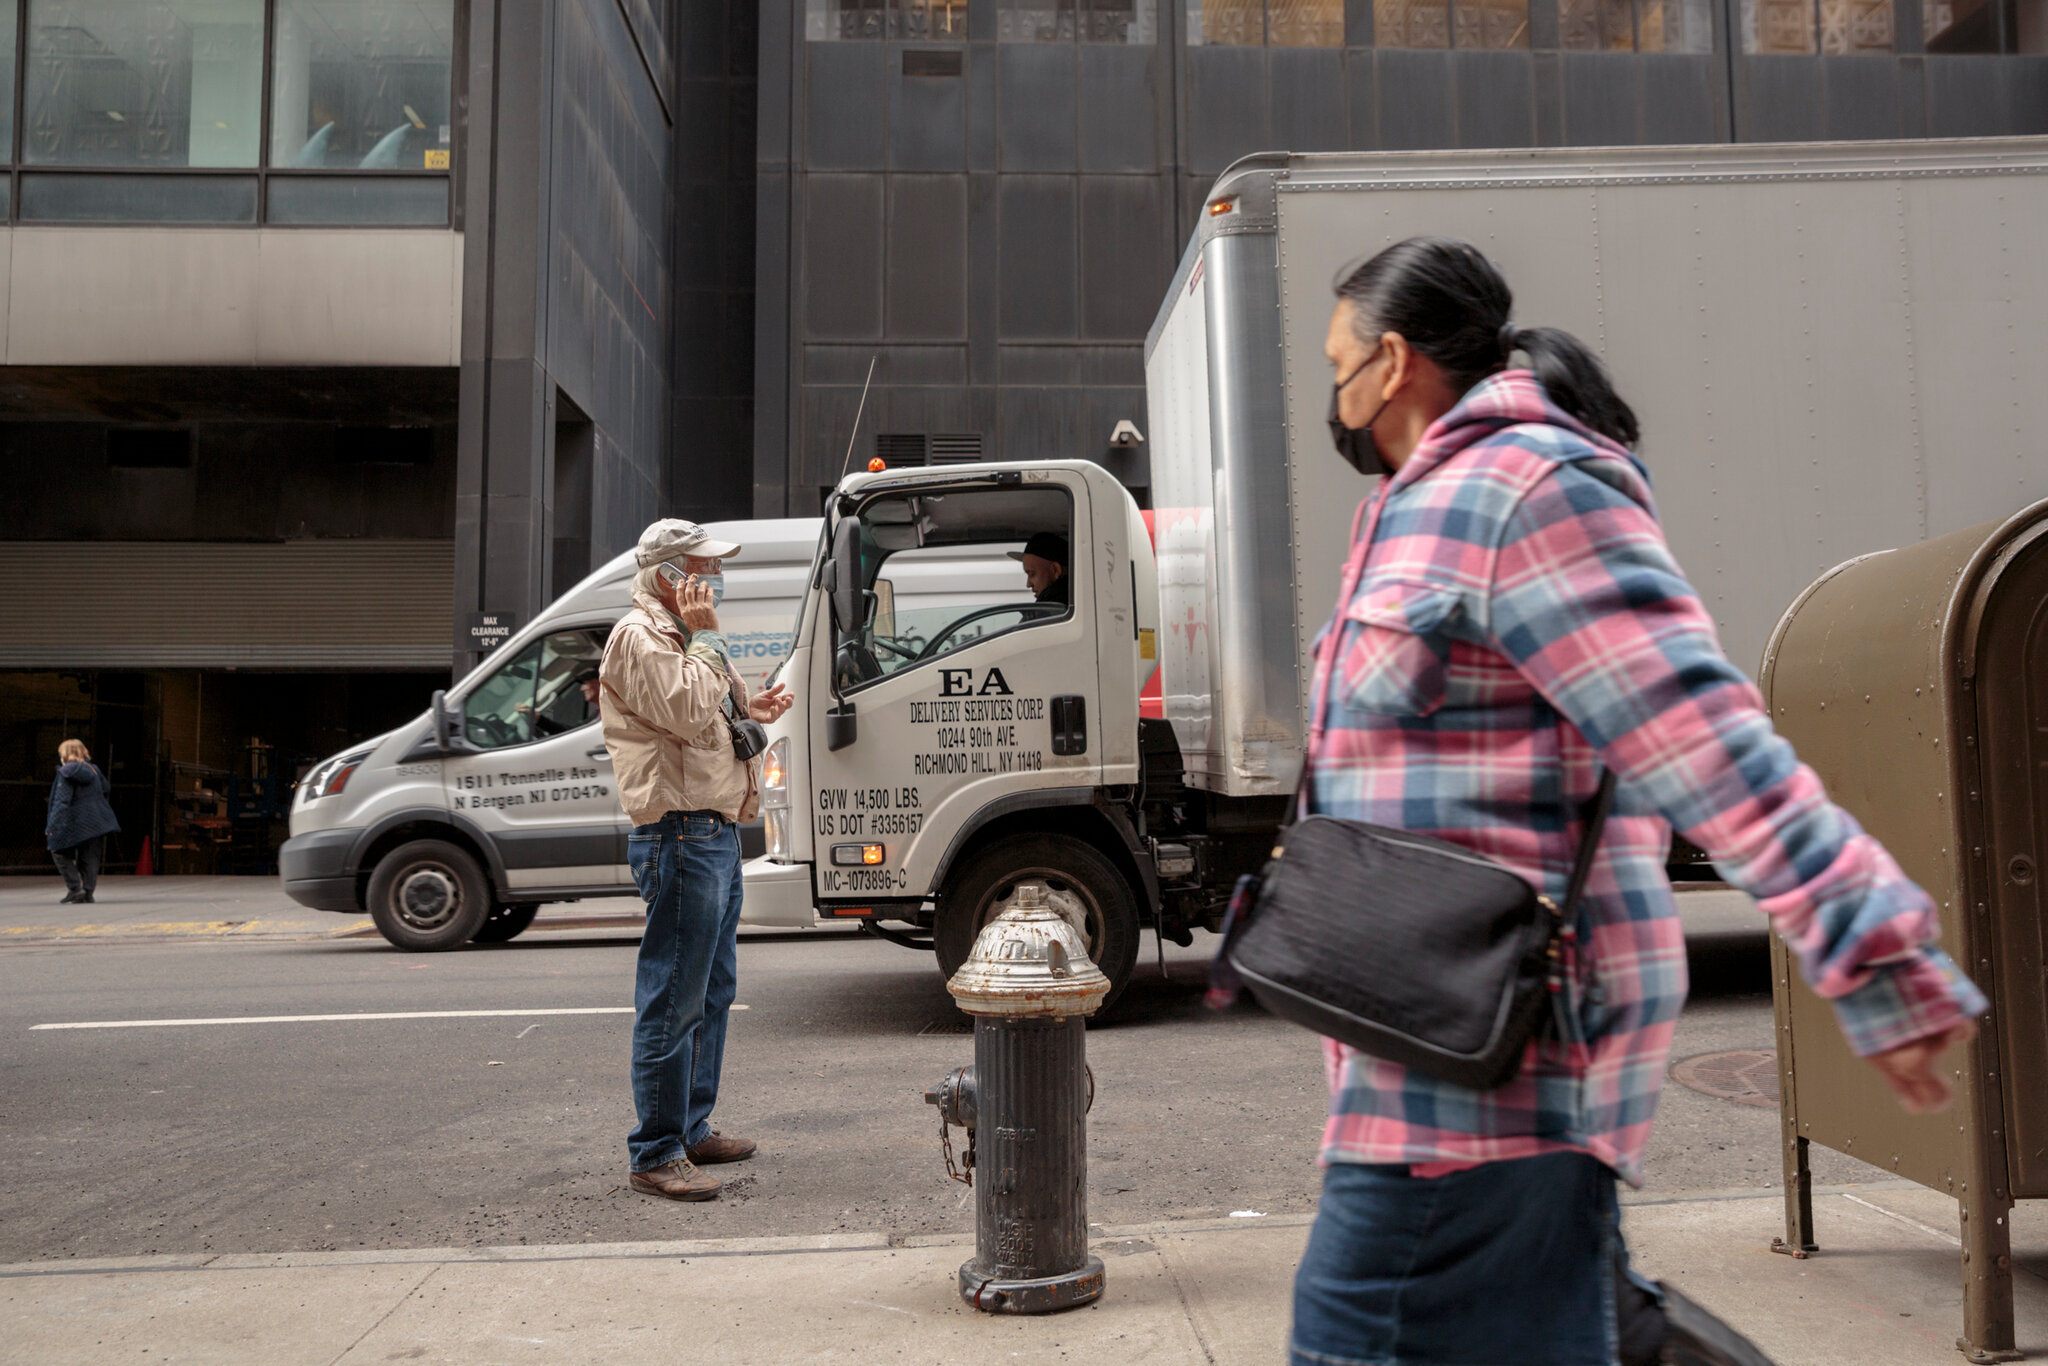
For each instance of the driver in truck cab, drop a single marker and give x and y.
(670, 703)
(1045, 568)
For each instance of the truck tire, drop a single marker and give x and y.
(506, 922)
(982, 887)
(428, 895)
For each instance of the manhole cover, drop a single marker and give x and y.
(964, 1024)
(1747, 1076)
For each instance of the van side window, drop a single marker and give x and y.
(539, 692)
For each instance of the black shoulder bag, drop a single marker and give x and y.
(1411, 948)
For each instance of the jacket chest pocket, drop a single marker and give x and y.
(1396, 647)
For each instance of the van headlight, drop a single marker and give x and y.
(775, 777)
(331, 777)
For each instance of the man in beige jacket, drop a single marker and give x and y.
(669, 700)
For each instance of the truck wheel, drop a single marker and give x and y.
(428, 895)
(1096, 893)
(506, 922)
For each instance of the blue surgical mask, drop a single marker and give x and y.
(717, 582)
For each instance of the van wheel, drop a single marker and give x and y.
(1097, 895)
(428, 895)
(506, 922)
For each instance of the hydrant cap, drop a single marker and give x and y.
(1030, 961)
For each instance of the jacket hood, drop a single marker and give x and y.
(1516, 398)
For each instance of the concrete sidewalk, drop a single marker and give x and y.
(126, 909)
(1884, 1291)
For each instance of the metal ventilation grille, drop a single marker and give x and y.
(900, 450)
(956, 448)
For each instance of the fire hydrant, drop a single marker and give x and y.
(1030, 986)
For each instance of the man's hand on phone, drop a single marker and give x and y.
(693, 605)
(1909, 1069)
(767, 707)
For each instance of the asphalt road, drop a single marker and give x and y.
(313, 1135)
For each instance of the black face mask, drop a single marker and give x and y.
(1356, 444)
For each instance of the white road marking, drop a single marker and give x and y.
(1949, 1238)
(526, 1031)
(324, 1019)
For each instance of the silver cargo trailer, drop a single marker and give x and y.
(1831, 348)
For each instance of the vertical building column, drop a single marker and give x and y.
(780, 101)
(506, 420)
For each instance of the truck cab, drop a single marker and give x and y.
(943, 754)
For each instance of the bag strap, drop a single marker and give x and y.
(1589, 844)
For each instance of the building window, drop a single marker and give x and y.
(1278, 23)
(1492, 25)
(914, 21)
(1635, 25)
(156, 83)
(1982, 26)
(1836, 27)
(362, 83)
(1085, 21)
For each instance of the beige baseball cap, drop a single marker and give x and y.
(672, 538)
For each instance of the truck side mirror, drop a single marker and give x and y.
(843, 580)
(448, 719)
(842, 727)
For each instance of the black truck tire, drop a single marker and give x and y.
(429, 895)
(1064, 863)
(506, 922)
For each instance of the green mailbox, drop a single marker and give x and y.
(1915, 682)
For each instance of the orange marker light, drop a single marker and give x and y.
(1219, 207)
(876, 465)
(871, 854)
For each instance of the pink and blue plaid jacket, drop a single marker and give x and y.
(1510, 619)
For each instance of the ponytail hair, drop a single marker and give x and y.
(1452, 305)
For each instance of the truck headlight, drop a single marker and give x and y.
(776, 828)
(775, 777)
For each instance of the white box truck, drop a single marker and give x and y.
(1831, 349)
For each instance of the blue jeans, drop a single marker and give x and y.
(687, 866)
(1515, 1263)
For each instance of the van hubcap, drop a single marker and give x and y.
(427, 897)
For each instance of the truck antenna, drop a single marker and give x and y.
(854, 435)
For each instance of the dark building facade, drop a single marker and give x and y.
(985, 199)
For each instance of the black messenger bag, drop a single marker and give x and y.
(1411, 948)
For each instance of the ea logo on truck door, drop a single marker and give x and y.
(960, 683)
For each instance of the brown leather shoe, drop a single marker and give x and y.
(676, 1179)
(719, 1148)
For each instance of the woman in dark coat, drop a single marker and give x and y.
(79, 818)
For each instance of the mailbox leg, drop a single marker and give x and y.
(1798, 1239)
(1987, 1278)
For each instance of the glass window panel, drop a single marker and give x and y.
(1495, 25)
(1305, 23)
(1960, 25)
(1595, 26)
(9, 9)
(387, 200)
(1674, 26)
(1777, 26)
(1851, 26)
(144, 82)
(537, 694)
(362, 83)
(1412, 23)
(1227, 23)
(1035, 21)
(1119, 21)
(831, 21)
(138, 199)
(2030, 25)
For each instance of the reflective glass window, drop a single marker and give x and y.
(67, 197)
(546, 689)
(1835, 27)
(386, 200)
(919, 21)
(1282, 23)
(1411, 23)
(362, 83)
(1635, 26)
(1492, 25)
(1851, 26)
(1068, 21)
(9, 9)
(144, 82)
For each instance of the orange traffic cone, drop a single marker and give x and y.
(143, 867)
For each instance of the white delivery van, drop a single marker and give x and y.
(498, 798)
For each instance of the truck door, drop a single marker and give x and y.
(540, 786)
(957, 677)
